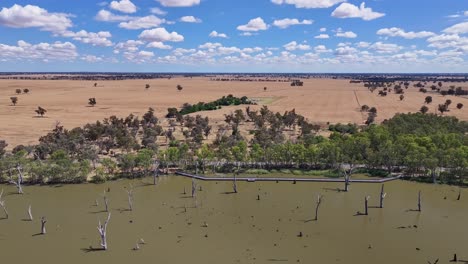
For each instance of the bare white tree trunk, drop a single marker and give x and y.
(2, 204)
(347, 177)
(130, 197)
(18, 181)
(319, 202)
(103, 232)
(43, 222)
(366, 207)
(382, 196)
(419, 201)
(30, 213)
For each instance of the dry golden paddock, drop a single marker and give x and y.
(320, 100)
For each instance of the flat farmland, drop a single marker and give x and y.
(319, 100)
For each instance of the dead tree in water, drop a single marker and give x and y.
(194, 187)
(347, 177)
(156, 172)
(2, 204)
(106, 201)
(130, 197)
(103, 232)
(319, 202)
(382, 196)
(366, 206)
(234, 185)
(419, 201)
(30, 217)
(43, 222)
(18, 181)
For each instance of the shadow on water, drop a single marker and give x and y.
(91, 249)
(98, 212)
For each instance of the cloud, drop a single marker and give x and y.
(322, 36)
(179, 3)
(142, 22)
(449, 41)
(106, 16)
(287, 22)
(347, 34)
(160, 35)
(139, 57)
(128, 46)
(345, 50)
(92, 58)
(46, 51)
(380, 47)
(158, 11)
(96, 39)
(124, 6)
(294, 46)
(460, 28)
(398, 32)
(308, 3)
(347, 10)
(322, 49)
(255, 24)
(158, 45)
(363, 44)
(215, 34)
(323, 29)
(210, 45)
(28, 16)
(190, 19)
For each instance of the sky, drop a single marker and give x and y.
(307, 36)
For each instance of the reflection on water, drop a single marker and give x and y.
(239, 228)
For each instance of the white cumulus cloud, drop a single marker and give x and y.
(460, 28)
(96, 39)
(45, 51)
(308, 3)
(142, 22)
(28, 16)
(160, 35)
(287, 22)
(294, 46)
(381, 47)
(179, 3)
(322, 36)
(347, 10)
(124, 6)
(106, 16)
(255, 24)
(346, 34)
(190, 19)
(158, 45)
(398, 32)
(215, 34)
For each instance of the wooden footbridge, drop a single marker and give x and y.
(284, 179)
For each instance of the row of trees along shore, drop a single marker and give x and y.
(421, 146)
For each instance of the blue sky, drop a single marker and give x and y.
(234, 36)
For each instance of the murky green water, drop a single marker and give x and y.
(240, 228)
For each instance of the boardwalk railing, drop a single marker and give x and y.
(275, 179)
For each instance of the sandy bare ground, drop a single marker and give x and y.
(320, 100)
